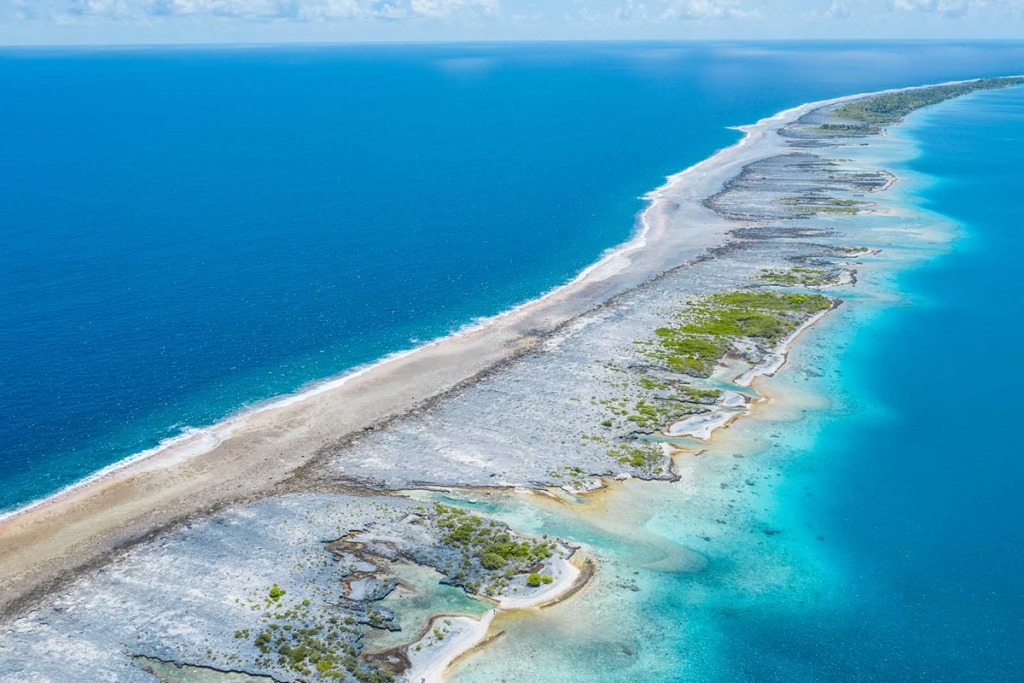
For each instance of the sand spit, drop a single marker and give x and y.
(451, 637)
(516, 402)
(447, 638)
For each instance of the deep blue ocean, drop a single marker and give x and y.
(188, 231)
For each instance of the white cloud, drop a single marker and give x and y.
(520, 19)
(446, 8)
(945, 8)
(636, 11)
(224, 8)
(102, 8)
(706, 9)
(300, 10)
(330, 10)
(23, 10)
(838, 10)
(630, 10)
(1012, 8)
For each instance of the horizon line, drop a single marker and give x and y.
(493, 41)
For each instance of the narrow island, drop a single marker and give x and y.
(272, 549)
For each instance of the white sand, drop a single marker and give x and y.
(461, 634)
(433, 657)
(564, 575)
(733, 399)
(701, 426)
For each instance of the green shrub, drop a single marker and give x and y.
(891, 107)
(508, 549)
(462, 535)
(491, 561)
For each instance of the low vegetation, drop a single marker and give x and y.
(846, 128)
(659, 391)
(713, 325)
(847, 250)
(304, 642)
(535, 580)
(813, 204)
(318, 643)
(798, 277)
(491, 554)
(892, 107)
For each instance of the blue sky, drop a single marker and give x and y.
(198, 21)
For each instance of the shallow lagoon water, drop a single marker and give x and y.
(861, 526)
(419, 597)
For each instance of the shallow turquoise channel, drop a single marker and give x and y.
(870, 532)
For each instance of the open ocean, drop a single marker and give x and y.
(187, 232)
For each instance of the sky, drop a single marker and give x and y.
(56, 22)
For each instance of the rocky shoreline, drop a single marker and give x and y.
(284, 586)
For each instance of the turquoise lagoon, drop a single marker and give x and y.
(864, 525)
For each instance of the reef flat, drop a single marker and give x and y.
(281, 589)
(287, 586)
